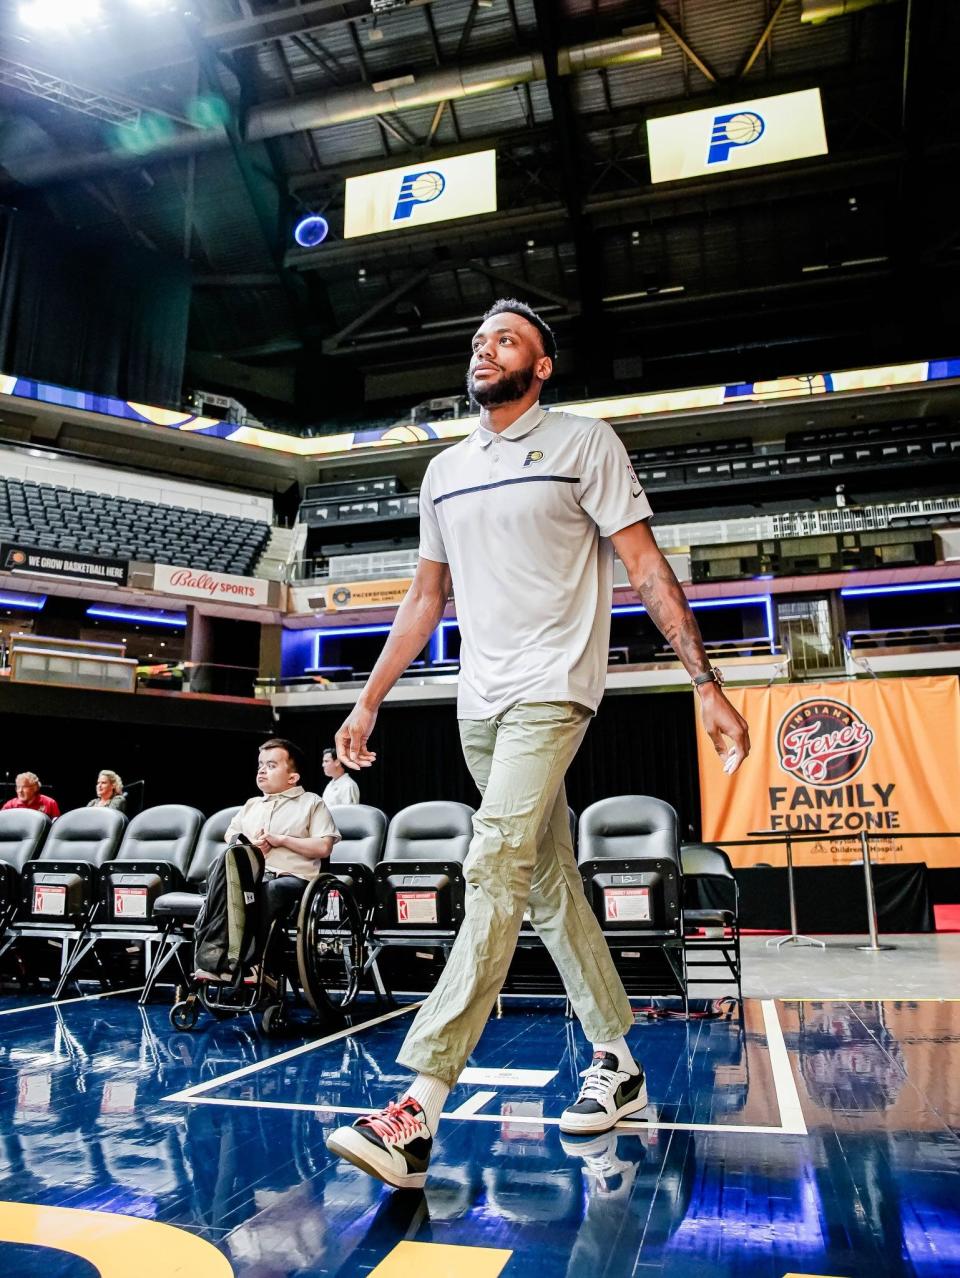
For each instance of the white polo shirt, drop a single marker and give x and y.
(341, 791)
(523, 518)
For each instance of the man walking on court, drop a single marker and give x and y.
(522, 518)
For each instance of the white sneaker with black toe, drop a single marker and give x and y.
(608, 1094)
(610, 1175)
(393, 1145)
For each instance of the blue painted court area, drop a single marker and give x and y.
(814, 1138)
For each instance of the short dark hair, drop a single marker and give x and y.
(329, 750)
(515, 307)
(294, 753)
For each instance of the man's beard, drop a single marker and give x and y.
(505, 390)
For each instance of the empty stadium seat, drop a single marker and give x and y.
(629, 861)
(22, 833)
(52, 516)
(176, 911)
(706, 925)
(419, 882)
(60, 892)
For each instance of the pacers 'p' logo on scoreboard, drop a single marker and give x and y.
(398, 199)
(418, 188)
(740, 135)
(738, 128)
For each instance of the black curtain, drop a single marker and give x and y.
(635, 745)
(95, 317)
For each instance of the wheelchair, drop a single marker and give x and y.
(324, 965)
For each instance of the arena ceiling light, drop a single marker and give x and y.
(144, 616)
(60, 17)
(311, 231)
(14, 599)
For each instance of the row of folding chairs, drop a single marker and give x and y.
(92, 877)
(406, 876)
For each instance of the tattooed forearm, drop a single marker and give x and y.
(667, 607)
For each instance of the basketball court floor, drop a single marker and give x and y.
(816, 1138)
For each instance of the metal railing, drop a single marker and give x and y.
(759, 838)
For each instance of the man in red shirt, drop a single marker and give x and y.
(29, 796)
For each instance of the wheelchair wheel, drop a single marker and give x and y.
(329, 945)
(274, 1020)
(184, 1015)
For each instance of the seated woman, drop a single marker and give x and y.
(109, 792)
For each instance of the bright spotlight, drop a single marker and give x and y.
(311, 230)
(59, 15)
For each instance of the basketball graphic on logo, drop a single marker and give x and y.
(744, 128)
(18, 558)
(426, 187)
(404, 435)
(823, 742)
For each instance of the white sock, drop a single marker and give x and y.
(618, 1048)
(431, 1095)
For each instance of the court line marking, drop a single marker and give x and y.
(513, 1120)
(472, 1104)
(189, 1093)
(788, 1098)
(785, 1088)
(65, 1002)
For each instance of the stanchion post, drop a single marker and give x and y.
(874, 945)
(794, 938)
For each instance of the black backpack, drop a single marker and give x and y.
(225, 937)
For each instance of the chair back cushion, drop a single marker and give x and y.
(629, 826)
(363, 831)
(21, 835)
(437, 831)
(210, 843)
(705, 860)
(167, 832)
(86, 834)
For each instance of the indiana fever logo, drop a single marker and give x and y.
(823, 742)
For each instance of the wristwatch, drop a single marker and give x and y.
(712, 676)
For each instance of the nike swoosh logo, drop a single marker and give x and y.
(637, 493)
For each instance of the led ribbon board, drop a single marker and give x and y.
(741, 135)
(417, 194)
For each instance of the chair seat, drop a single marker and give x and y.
(708, 918)
(177, 905)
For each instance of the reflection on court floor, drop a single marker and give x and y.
(812, 1138)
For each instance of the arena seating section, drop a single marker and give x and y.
(52, 517)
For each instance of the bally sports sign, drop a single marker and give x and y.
(214, 587)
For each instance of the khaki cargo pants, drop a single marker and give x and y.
(521, 856)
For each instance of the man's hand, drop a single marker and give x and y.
(353, 737)
(271, 841)
(722, 723)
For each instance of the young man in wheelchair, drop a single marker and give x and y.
(295, 832)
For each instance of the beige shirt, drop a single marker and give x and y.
(524, 518)
(294, 811)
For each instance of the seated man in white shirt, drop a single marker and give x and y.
(291, 827)
(342, 788)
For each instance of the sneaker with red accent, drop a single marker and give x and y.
(608, 1094)
(393, 1145)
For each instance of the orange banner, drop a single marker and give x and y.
(835, 759)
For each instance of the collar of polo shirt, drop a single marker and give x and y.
(516, 430)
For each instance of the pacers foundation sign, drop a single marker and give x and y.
(835, 760)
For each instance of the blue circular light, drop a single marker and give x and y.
(311, 230)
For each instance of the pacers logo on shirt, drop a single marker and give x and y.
(534, 456)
